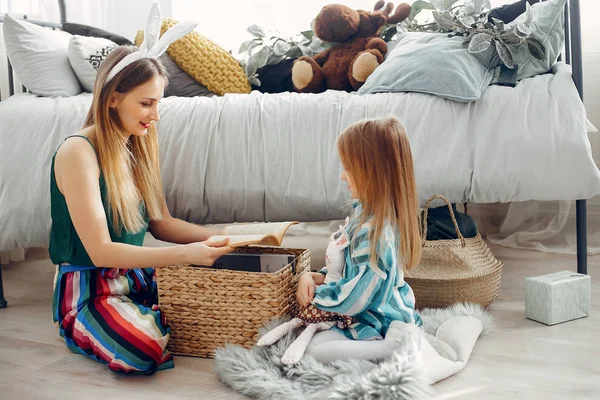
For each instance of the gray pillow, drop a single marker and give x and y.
(430, 63)
(549, 21)
(181, 84)
(391, 45)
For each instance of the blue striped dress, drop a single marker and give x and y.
(374, 294)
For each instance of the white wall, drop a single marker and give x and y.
(124, 17)
(590, 31)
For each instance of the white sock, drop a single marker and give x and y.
(441, 347)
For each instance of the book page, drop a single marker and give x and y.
(277, 229)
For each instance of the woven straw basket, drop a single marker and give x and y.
(454, 271)
(207, 308)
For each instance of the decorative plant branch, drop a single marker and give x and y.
(265, 49)
(470, 19)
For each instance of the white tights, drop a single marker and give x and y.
(328, 346)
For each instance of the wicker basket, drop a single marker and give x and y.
(454, 271)
(207, 308)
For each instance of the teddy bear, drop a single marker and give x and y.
(311, 317)
(347, 65)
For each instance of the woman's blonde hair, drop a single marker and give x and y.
(131, 171)
(376, 154)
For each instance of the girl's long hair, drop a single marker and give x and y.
(131, 170)
(377, 156)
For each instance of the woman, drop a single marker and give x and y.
(106, 192)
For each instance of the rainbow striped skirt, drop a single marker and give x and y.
(111, 315)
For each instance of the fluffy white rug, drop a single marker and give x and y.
(406, 374)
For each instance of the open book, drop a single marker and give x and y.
(268, 234)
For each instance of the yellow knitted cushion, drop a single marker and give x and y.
(205, 61)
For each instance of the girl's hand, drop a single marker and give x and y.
(203, 253)
(306, 289)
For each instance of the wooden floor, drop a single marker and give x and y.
(521, 359)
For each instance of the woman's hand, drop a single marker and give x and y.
(204, 253)
(306, 289)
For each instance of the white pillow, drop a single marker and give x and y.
(39, 58)
(85, 55)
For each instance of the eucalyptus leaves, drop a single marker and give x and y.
(517, 35)
(469, 18)
(265, 49)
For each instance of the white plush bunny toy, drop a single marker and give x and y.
(314, 319)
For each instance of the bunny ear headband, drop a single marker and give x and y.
(152, 46)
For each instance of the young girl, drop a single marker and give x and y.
(105, 192)
(384, 242)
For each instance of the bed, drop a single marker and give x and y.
(258, 157)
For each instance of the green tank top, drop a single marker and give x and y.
(65, 244)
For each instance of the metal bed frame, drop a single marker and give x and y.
(572, 55)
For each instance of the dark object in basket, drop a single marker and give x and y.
(440, 226)
(451, 271)
(208, 307)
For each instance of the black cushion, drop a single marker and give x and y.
(86, 30)
(509, 12)
(276, 78)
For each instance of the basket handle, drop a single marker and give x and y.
(463, 242)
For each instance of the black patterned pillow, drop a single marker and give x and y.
(85, 55)
(100, 54)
